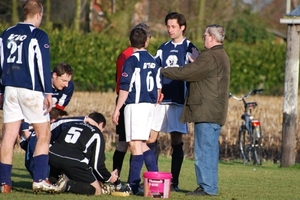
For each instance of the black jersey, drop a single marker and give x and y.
(83, 143)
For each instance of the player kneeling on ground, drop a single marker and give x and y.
(79, 153)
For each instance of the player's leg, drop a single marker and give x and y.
(10, 134)
(12, 116)
(149, 158)
(138, 127)
(152, 143)
(177, 158)
(32, 103)
(158, 124)
(136, 164)
(77, 176)
(122, 146)
(176, 129)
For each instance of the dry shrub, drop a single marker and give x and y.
(269, 111)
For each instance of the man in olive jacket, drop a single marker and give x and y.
(206, 105)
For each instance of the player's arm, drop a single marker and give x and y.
(121, 100)
(43, 57)
(98, 162)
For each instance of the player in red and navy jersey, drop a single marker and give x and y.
(26, 81)
(122, 146)
(173, 53)
(139, 90)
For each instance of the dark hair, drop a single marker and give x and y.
(63, 68)
(31, 7)
(180, 19)
(56, 113)
(138, 37)
(98, 118)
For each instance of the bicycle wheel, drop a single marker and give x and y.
(244, 145)
(257, 148)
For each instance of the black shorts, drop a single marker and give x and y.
(120, 128)
(75, 170)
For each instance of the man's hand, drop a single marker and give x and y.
(194, 55)
(115, 117)
(114, 176)
(48, 103)
(90, 121)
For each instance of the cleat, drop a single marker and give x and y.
(122, 190)
(62, 183)
(175, 188)
(5, 189)
(106, 188)
(44, 186)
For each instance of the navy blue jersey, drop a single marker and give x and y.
(141, 78)
(61, 98)
(174, 54)
(25, 58)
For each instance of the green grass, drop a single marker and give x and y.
(236, 181)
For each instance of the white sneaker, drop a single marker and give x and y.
(62, 183)
(44, 186)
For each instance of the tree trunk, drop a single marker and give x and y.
(48, 11)
(201, 19)
(14, 7)
(141, 12)
(77, 15)
(289, 126)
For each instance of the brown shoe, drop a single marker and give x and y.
(5, 189)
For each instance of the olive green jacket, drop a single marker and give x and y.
(208, 77)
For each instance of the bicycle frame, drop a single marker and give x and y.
(253, 127)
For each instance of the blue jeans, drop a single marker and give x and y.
(206, 153)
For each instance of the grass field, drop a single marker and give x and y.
(236, 181)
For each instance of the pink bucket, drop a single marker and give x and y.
(157, 184)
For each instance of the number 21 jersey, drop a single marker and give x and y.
(25, 58)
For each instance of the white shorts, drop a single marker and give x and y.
(167, 119)
(138, 120)
(21, 103)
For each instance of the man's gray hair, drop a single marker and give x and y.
(145, 27)
(217, 31)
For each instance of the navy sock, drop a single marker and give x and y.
(40, 167)
(149, 159)
(118, 159)
(177, 159)
(154, 147)
(5, 175)
(136, 165)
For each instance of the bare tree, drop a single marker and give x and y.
(14, 8)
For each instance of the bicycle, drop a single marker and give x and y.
(250, 134)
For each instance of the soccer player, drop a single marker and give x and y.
(26, 76)
(175, 53)
(79, 153)
(139, 91)
(62, 84)
(122, 146)
(62, 91)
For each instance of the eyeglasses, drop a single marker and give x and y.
(204, 36)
